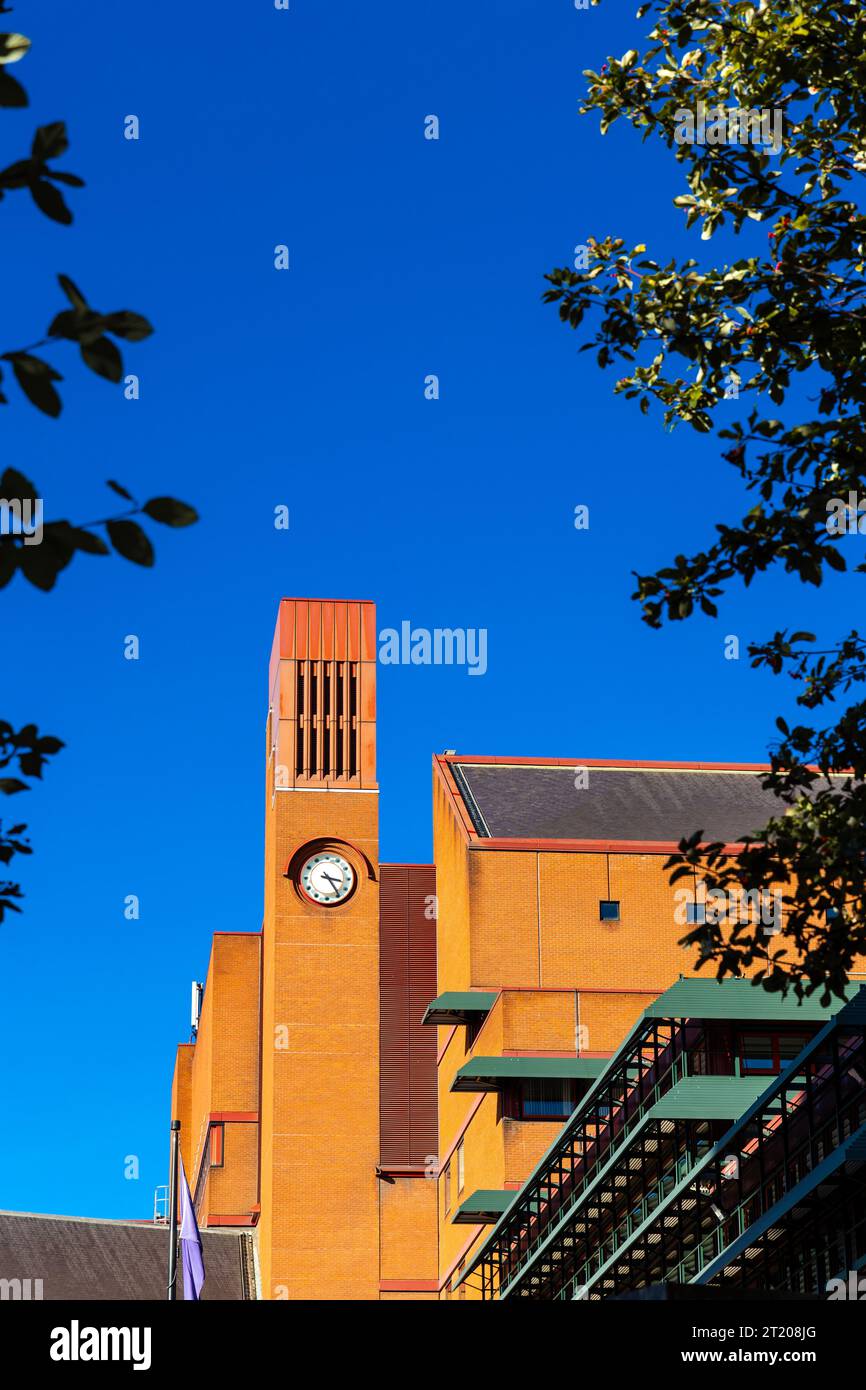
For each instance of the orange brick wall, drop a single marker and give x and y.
(318, 1236)
(220, 1074)
(452, 922)
(233, 1189)
(290, 1027)
(608, 1017)
(181, 1099)
(408, 1227)
(526, 922)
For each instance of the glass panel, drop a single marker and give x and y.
(791, 1046)
(757, 1052)
(547, 1100)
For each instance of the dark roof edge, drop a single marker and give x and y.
(134, 1223)
(481, 827)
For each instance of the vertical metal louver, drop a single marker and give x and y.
(323, 693)
(327, 720)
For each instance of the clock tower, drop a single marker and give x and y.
(318, 1233)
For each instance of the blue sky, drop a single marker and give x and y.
(305, 389)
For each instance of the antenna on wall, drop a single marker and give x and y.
(195, 1008)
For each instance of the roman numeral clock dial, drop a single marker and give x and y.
(327, 878)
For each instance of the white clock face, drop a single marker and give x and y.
(327, 878)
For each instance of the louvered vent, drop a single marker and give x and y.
(326, 702)
(323, 694)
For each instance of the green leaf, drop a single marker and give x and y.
(13, 47)
(72, 292)
(41, 564)
(125, 324)
(60, 176)
(131, 542)
(9, 785)
(50, 201)
(121, 491)
(170, 512)
(35, 377)
(103, 358)
(8, 561)
(11, 91)
(66, 324)
(48, 744)
(14, 484)
(50, 141)
(88, 541)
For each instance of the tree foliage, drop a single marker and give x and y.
(40, 559)
(789, 313)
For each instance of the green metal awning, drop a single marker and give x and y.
(740, 1001)
(459, 1007)
(711, 1097)
(484, 1207)
(491, 1073)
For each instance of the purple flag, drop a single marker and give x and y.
(190, 1243)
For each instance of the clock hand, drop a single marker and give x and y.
(333, 882)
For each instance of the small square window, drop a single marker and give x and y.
(696, 914)
(608, 910)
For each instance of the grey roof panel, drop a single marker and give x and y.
(78, 1258)
(531, 801)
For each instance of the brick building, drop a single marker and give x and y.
(381, 1069)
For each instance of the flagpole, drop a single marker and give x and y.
(172, 1214)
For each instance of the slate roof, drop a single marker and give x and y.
(508, 800)
(81, 1258)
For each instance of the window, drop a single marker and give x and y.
(790, 1046)
(461, 1292)
(696, 913)
(766, 1054)
(460, 1168)
(447, 1186)
(756, 1053)
(547, 1100)
(608, 910)
(217, 1139)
